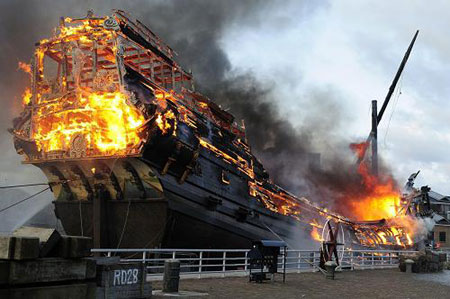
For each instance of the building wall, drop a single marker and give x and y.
(441, 231)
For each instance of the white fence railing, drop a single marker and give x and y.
(198, 263)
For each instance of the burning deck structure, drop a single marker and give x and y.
(137, 158)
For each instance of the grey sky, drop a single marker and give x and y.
(354, 48)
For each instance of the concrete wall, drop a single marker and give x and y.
(444, 229)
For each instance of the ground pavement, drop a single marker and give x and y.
(389, 283)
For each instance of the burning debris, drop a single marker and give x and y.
(108, 87)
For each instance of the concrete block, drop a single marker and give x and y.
(6, 247)
(127, 291)
(70, 291)
(4, 272)
(50, 270)
(48, 237)
(120, 274)
(26, 248)
(18, 248)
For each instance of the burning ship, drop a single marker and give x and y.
(137, 158)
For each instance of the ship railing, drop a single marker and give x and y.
(204, 263)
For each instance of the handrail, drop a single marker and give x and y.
(200, 263)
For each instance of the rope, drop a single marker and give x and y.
(25, 199)
(399, 92)
(24, 185)
(124, 224)
(38, 184)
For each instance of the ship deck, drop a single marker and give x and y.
(387, 283)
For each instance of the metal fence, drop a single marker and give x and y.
(200, 263)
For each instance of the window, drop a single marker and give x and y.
(442, 237)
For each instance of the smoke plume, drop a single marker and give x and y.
(195, 30)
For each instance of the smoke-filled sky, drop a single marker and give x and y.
(301, 73)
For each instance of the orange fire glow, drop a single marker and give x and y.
(315, 234)
(104, 120)
(25, 67)
(381, 199)
(26, 97)
(166, 121)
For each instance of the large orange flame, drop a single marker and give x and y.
(381, 198)
(105, 120)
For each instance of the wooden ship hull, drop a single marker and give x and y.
(136, 157)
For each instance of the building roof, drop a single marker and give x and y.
(437, 198)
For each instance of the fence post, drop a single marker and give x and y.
(373, 261)
(109, 254)
(246, 261)
(174, 253)
(224, 257)
(144, 256)
(200, 263)
(352, 266)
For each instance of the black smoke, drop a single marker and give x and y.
(195, 30)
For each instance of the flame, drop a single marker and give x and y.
(105, 120)
(26, 97)
(381, 199)
(166, 121)
(25, 67)
(316, 235)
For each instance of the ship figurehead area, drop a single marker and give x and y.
(109, 114)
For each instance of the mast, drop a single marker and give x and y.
(397, 77)
(374, 137)
(379, 116)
